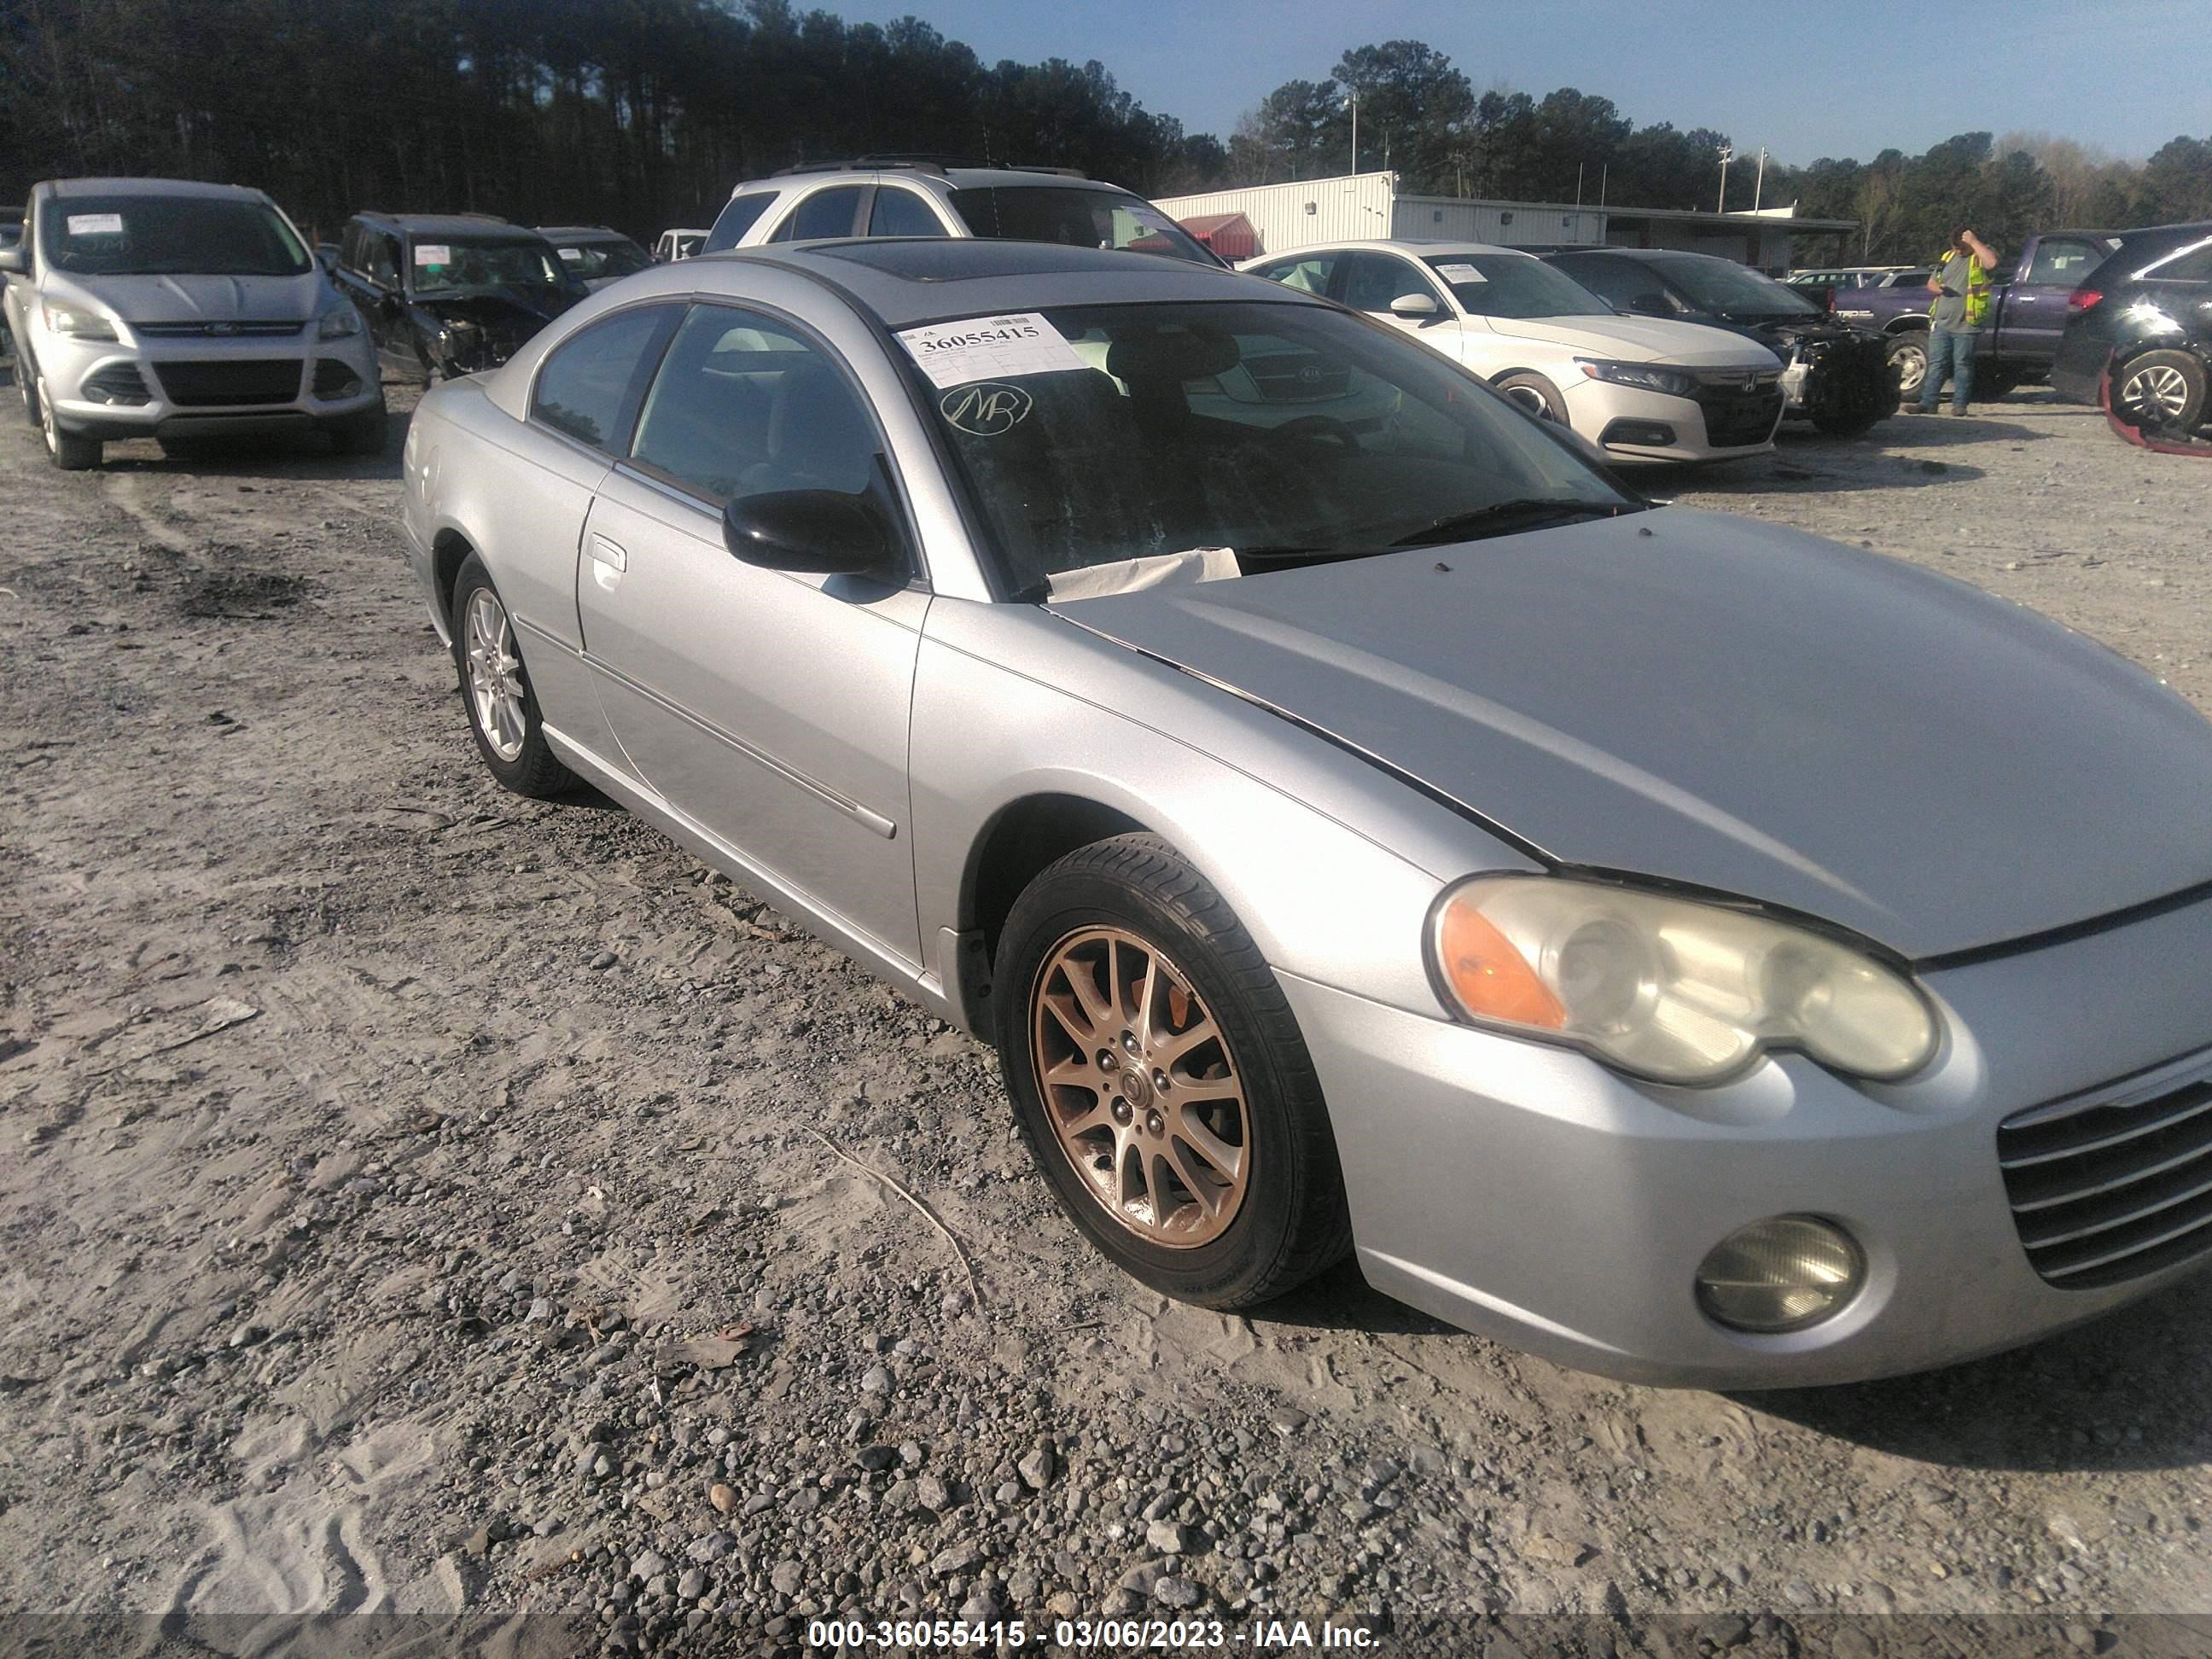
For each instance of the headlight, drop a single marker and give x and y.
(1666, 988)
(1674, 382)
(339, 322)
(1780, 1275)
(76, 325)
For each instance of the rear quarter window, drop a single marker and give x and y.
(742, 214)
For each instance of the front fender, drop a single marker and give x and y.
(1330, 862)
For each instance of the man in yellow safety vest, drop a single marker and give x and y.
(1960, 283)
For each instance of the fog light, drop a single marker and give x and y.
(1781, 1274)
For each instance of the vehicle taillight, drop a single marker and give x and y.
(2082, 299)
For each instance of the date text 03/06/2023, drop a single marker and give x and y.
(1106, 1635)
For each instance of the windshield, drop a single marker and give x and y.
(1716, 285)
(1076, 217)
(1514, 285)
(168, 236)
(1286, 432)
(462, 265)
(587, 262)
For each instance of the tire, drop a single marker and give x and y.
(1908, 360)
(497, 690)
(1191, 1232)
(2161, 391)
(27, 389)
(67, 450)
(359, 434)
(1535, 394)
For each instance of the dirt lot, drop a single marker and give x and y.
(417, 1199)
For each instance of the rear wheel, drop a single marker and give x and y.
(1908, 360)
(1160, 1080)
(503, 716)
(1535, 394)
(2160, 391)
(69, 451)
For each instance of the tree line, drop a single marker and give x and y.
(642, 113)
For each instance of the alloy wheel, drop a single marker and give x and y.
(1141, 1087)
(1530, 399)
(495, 674)
(2158, 393)
(1911, 370)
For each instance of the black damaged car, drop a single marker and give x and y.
(1835, 376)
(446, 295)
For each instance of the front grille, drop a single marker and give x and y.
(2115, 1183)
(268, 328)
(119, 384)
(1297, 377)
(334, 378)
(1737, 418)
(205, 385)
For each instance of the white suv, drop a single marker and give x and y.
(895, 196)
(155, 307)
(1640, 388)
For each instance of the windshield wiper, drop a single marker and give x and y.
(1499, 517)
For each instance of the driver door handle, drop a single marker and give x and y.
(609, 553)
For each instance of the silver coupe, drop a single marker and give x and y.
(1688, 949)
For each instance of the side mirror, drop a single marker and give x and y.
(822, 532)
(1649, 305)
(1415, 305)
(327, 255)
(12, 261)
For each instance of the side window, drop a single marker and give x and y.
(743, 405)
(350, 247)
(740, 216)
(2063, 261)
(825, 213)
(1372, 281)
(383, 258)
(901, 213)
(589, 385)
(1308, 273)
(2195, 265)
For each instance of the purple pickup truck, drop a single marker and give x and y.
(2028, 313)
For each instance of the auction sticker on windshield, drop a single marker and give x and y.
(433, 253)
(95, 224)
(989, 348)
(1460, 274)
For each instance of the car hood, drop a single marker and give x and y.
(196, 298)
(1640, 340)
(1692, 697)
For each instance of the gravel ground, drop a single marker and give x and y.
(420, 1199)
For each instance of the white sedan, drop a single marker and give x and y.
(1640, 388)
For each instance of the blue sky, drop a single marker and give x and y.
(1806, 78)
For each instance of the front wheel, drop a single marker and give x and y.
(2161, 391)
(1908, 361)
(1535, 394)
(503, 716)
(68, 451)
(1160, 1079)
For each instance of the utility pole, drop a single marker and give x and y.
(1354, 101)
(1759, 184)
(1579, 166)
(1727, 156)
(1604, 175)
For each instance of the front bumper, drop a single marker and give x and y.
(173, 387)
(1524, 1191)
(1633, 424)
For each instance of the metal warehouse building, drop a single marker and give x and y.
(1364, 205)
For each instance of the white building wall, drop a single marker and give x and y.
(1503, 224)
(1303, 213)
